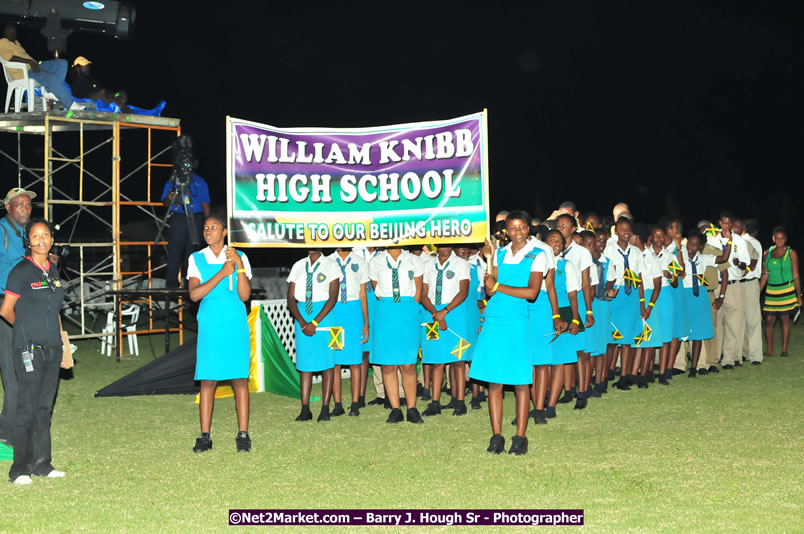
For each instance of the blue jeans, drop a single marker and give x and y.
(51, 74)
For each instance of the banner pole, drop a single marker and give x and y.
(489, 239)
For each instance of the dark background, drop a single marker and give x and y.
(676, 108)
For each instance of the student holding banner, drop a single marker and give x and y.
(445, 289)
(314, 283)
(502, 355)
(397, 279)
(351, 314)
(219, 276)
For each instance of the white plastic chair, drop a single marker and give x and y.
(133, 312)
(19, 87)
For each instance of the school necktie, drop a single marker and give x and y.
(343, 279)
(600, 292)
(308, 289)
(394, 280)
(439, 283)
(695, 289)
(627, 267)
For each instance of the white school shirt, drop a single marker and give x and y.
(573, 276)
(579, 256)
(475, 259)
(701, 261)
(455, 269)
(192, 268)
(356, 274)
(539, 264)
(617, 263)
(757, 246)
(364, 253)
(652, 268)
(739, 250)
(664, 259)
(325, 272)
(409, 268)
(425, 259)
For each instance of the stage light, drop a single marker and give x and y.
(59, 18)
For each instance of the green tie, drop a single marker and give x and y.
(394, 280)
(439, 282)
(308, 290)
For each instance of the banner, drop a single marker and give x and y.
(405, 184)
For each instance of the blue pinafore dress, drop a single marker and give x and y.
(224, 347)
(503, 354)
(565, 348)
(472, 312)
(441, 350)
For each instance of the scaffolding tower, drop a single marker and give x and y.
(98, 177)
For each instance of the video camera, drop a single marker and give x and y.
(183, 161)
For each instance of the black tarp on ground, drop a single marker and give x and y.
(170, 374)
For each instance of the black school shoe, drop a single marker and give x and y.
(203, 443)
(756, 363)
(475, 403)
(713, 369)
(379, 401)
(305, 415)
(338, 410)
(354, 409)
(324, 415)
(361, 402)
(451, 404)
(432, 409)
(243, 442)
(539, 417)
(581, 403)
(426, 395)
(395, 416)
(496, 444)
(414, 416)
(728, 367)
(550, 412)
(460, 408)
(703, 372)
(519, 446)
(567, 398)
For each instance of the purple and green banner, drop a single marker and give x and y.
(423, 182)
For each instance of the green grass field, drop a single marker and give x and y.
(718, 453)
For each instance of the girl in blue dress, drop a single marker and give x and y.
(699, 310)
(503, 354)
(600, 308)
(565, 347)
(473, 305)
(219, 276)
(351, 314)
(445, 288)
(313, 285)
(397, 279)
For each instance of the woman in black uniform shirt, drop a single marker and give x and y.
(33, 301)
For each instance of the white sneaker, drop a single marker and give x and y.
(23, 480)
(75, 106)
(56, 474)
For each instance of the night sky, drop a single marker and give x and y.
(677, 108)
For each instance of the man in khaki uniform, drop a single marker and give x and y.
(752, 343)
(732, 313)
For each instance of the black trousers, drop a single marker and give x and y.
(180, 245)
(8, 416)
(37, 392)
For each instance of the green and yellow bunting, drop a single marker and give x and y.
(712, 231)
(630, 277)
(461, 348)
(432, 331)
(336, 338)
